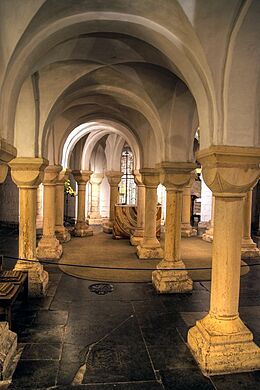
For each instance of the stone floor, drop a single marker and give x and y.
(129, 339)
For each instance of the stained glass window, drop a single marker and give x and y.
(127, 186)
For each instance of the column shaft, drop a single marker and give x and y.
(82, 228)
(49, 247)
(81, 202)
(114, 178)
(62, 233)
(137, 237)
(186, 228)
(27, 223)
(226, 257)
(172, 251)
(248, 246)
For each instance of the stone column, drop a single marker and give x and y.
(94, 215)
(49, 247)
(150, 246)
(138, 235)
(62, 234)
(220, 342)
(174, 176)
(114, 178)
(209, 233)
(8, 339)
(248, 246)
(27, 173)
(186, 228)
(82, 228)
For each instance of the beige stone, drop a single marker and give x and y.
(27, 173)
(8, 346)
(82, 228)
(94, 214)
(8, 339)
(186, 229)
(220, 342)
(150, 247)
(248, 246)
(174, 176)
(62, 234)
(138, 234)
(49, 246)
(114, 178)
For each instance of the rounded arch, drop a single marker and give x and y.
(97, 126)
(182, 49)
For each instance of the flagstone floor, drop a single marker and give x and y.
(128, 339)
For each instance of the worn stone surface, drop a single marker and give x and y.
(55, 334)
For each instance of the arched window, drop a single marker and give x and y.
(127, 186)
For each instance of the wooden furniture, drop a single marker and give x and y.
(126, 221)
(12, 284)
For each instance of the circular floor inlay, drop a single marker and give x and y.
(101, 288)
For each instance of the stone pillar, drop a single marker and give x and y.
(150, 248)
(220, 342)
(27, 173)
(39, 208)
(174, 176)
(114, 178)
(248, 246)
(186, 228)
(82, 228)
(138, 235)
(209, 233)
(49, 247)
(8, 339)
(62, 234)
(94, 215)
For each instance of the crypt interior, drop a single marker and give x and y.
(130, 194)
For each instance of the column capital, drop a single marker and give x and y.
(7, 151)
(150, 177)
(230, 170)
(81, 176)
(114, 177)
(51, 174)
(176, 175)
(63, 176)
(3, 172)
(96, 178)
(27, 172)
(138, 178)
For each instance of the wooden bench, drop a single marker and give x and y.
(12, 284)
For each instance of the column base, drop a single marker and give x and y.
(135, 240)
(108, 227)
(223, 346)
(187, 230)
(49, 248)
(170, 281)
(249, 249)
(208, 235)
(82, 229)
(145, 252)
(38, 278)
(63, 235)
(8, 345)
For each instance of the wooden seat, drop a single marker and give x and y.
(12, 283)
